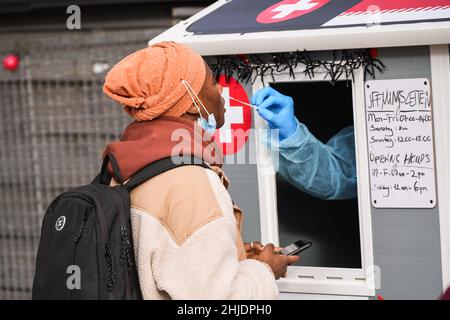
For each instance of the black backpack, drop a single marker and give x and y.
(86, 247)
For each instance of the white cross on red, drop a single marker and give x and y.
(233, 114)
(286, 9)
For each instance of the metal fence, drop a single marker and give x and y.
(54, 123)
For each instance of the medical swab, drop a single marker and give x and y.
(250, 105)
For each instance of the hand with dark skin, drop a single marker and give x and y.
(268, 254)
(253, 252)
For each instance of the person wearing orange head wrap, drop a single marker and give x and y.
(186, 229)
(148, 81)
(152, 84)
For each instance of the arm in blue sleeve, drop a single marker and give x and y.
(326, 171)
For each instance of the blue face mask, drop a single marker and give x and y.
(210, 125)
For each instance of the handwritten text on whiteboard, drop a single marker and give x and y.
(400, 142)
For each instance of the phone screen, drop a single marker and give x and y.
(296, 247)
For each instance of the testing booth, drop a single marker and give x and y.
(381, 67)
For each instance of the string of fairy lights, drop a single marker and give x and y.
(248, 68)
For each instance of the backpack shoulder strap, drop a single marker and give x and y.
(104, 177)
(159, 167)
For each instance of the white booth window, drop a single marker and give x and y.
(332, 225)
(340, 260)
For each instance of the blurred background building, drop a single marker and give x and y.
(54, 118)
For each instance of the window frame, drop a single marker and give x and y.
(320, 280)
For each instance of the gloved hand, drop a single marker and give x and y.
(277, 110)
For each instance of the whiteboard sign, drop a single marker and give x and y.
(400, 143)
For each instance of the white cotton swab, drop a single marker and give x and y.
(250, 105)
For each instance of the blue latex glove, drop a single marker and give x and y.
(326, 171)
(277, 110)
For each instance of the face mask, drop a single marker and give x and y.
(210, 125)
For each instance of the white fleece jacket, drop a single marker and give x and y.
(187, 240)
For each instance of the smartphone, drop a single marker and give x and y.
(296, 247)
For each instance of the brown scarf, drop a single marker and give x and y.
(145, 142)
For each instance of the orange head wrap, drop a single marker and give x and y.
(148, 81)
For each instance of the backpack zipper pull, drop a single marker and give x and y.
(80, 232)
(125, 255)
(111, 274)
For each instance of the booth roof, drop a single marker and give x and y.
(249, 26)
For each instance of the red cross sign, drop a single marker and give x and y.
(289, 9)
(233, 135)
